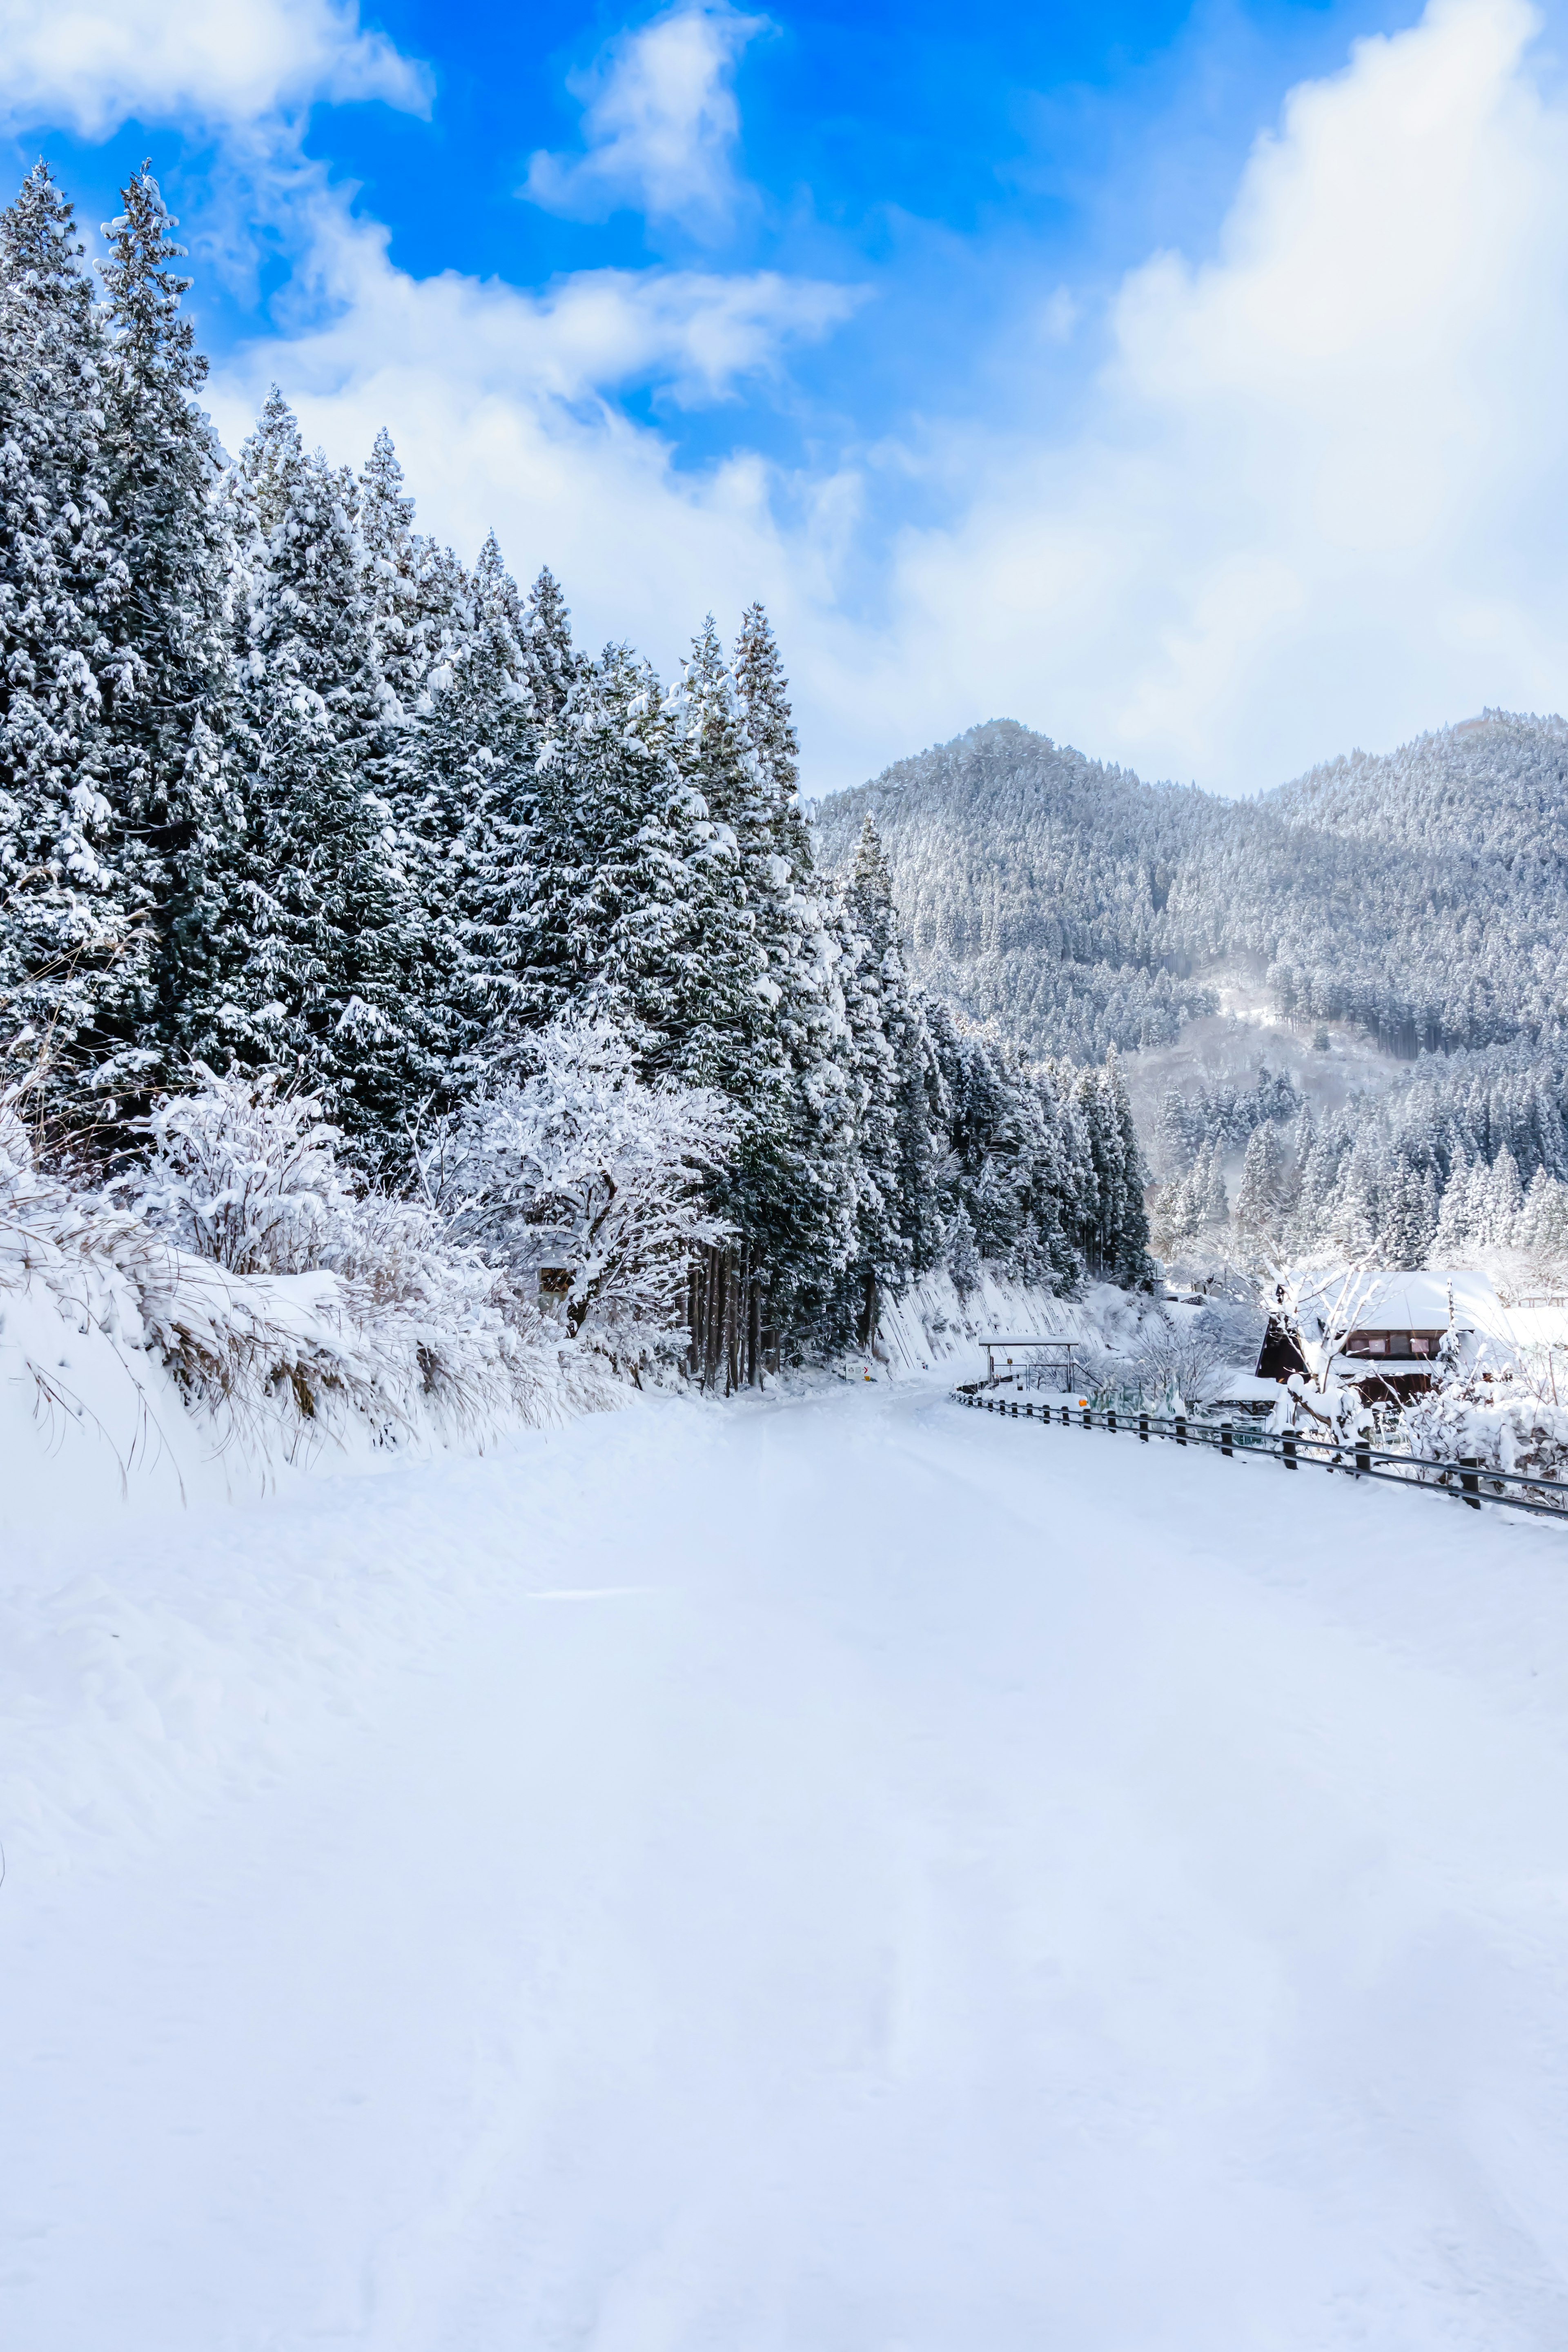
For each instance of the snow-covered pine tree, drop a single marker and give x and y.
(732, 1029)
(75, 941)
(1454, 1236)
(472, 751)
(619, 864)
(391, 552)
(321, 940)
(1506, 1200)
(1126, 1216)
(547, 641)
(1258, 1198)
(167, 709)
(1173, 1139)
(880, 1019)
(962, 1257)
(763, 691)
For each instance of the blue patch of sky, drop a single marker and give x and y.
(960, 170)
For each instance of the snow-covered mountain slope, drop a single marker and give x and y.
(845, 1873)
(1423, 895)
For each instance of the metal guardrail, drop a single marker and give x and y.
(1475, 1485)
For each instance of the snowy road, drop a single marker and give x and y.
(850, 1878)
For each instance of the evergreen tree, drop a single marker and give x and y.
(167, 715)
(763, 691)
(881, 1018)
(1506, 1200)
(471, 753)
(1258, 1199)
(547, 640)
(1214, 1202)
(962, 1257)
(386, 519)
(1172, 1142)
(75, 947)
(622, 868)
(321, 943)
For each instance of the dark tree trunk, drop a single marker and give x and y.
(726, 1312)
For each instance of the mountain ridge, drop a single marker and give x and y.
(1420, 895)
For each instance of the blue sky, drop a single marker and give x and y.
(1181, 381)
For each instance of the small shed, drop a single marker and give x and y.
(1033, 1362)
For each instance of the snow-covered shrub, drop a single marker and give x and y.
(1499, 1423)
(245, 1174)
(287, 1306)
(1180, 1362)
(342, 1295)
(1330, 1414)
(1319, 1312)
(583, 1170)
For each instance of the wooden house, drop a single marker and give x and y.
(1399, 1322)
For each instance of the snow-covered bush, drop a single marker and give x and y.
(1319, 1312)
(583, 1170)
(404, 1320)
(1332, 1414)
(287, 1306)
(1499, 1423)
(246, 1174)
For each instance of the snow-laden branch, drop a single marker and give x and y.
(585, 1170)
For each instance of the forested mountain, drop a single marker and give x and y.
(287, 787)
(1422, 895)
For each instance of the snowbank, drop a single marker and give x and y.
(134, 1369)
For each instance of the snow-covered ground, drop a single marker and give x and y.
(826, 1876)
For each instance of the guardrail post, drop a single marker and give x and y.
(1468, 1466)
(1288, 1447)
(1111, 1423)
(1225, 1437)
(1066, 1417)
(1180, 1429)
(1088, 1418)
(1363, 1461)
(1144, 1429)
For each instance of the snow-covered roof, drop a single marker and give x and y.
(1401, 1301)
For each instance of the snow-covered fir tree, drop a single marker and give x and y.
(76, 949)
(319, 941)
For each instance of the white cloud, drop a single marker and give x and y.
(499, 402)
(660, 123)
(90, 67)
(1322, 499)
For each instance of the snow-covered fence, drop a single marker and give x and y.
(1466, 1478)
